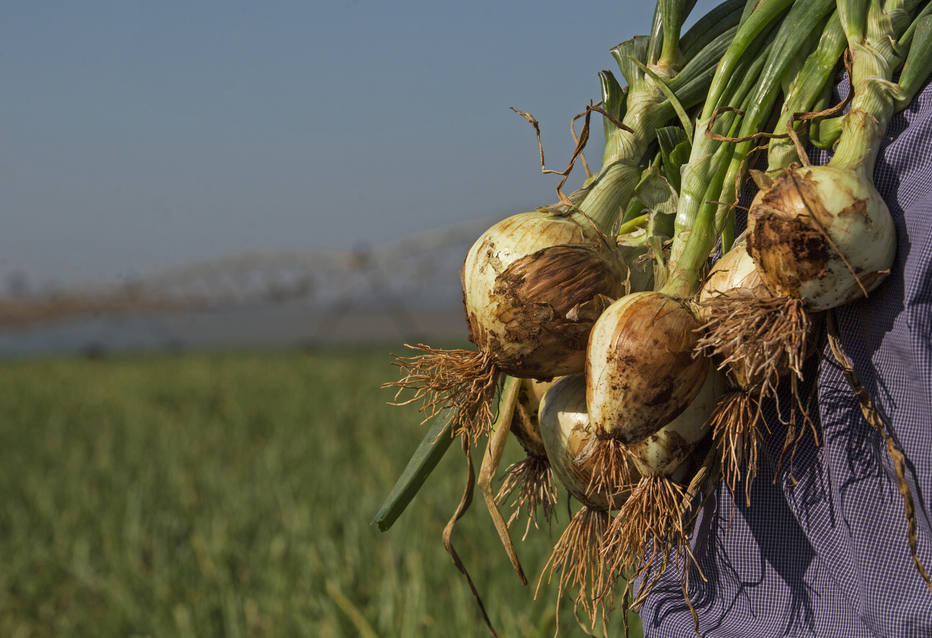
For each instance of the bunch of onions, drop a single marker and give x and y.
(546, 292)
(649, 399)
(759, 336)
(534, 283)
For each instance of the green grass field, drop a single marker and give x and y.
(230, 495)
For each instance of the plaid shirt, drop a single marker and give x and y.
(828, 555)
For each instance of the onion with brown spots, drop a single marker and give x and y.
(822, 234)
(533, 285)
(641, 370)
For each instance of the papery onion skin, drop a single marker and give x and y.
(525, 424)
(787, 228)
(533, 285)
(568, 435)
(734, 272)
(660, 453)
(640, 366)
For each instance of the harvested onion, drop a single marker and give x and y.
(822, 234)
(533, 284)
(569, 440)
(641, 370)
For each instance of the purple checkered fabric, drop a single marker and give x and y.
(828, 556)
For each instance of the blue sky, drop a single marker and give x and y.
(141, 135)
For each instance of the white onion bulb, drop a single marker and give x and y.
(640, 367)
(568, 435)
(533, 284)
(799, 229)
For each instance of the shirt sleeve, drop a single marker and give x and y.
(823, 550)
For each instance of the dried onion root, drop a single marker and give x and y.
(737, 431)
(578, 563)
(461, 381)
(530, 480)
(648, 529)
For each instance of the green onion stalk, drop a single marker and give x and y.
(824, 132)
(659, 87)
(810, 84)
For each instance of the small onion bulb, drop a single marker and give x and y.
(661, 453)
(734, 272)
(568, 436)
(734, 277)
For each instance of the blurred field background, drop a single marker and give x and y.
(229, 494)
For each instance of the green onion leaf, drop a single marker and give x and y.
(671, 97)
(918, 63)
(425, 458)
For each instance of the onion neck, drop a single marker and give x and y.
(862, 128)
(874, 95)
(641, 117)
(609, 193)
(684, 274)
(696, 233)
(624, 149)
(673, 13)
